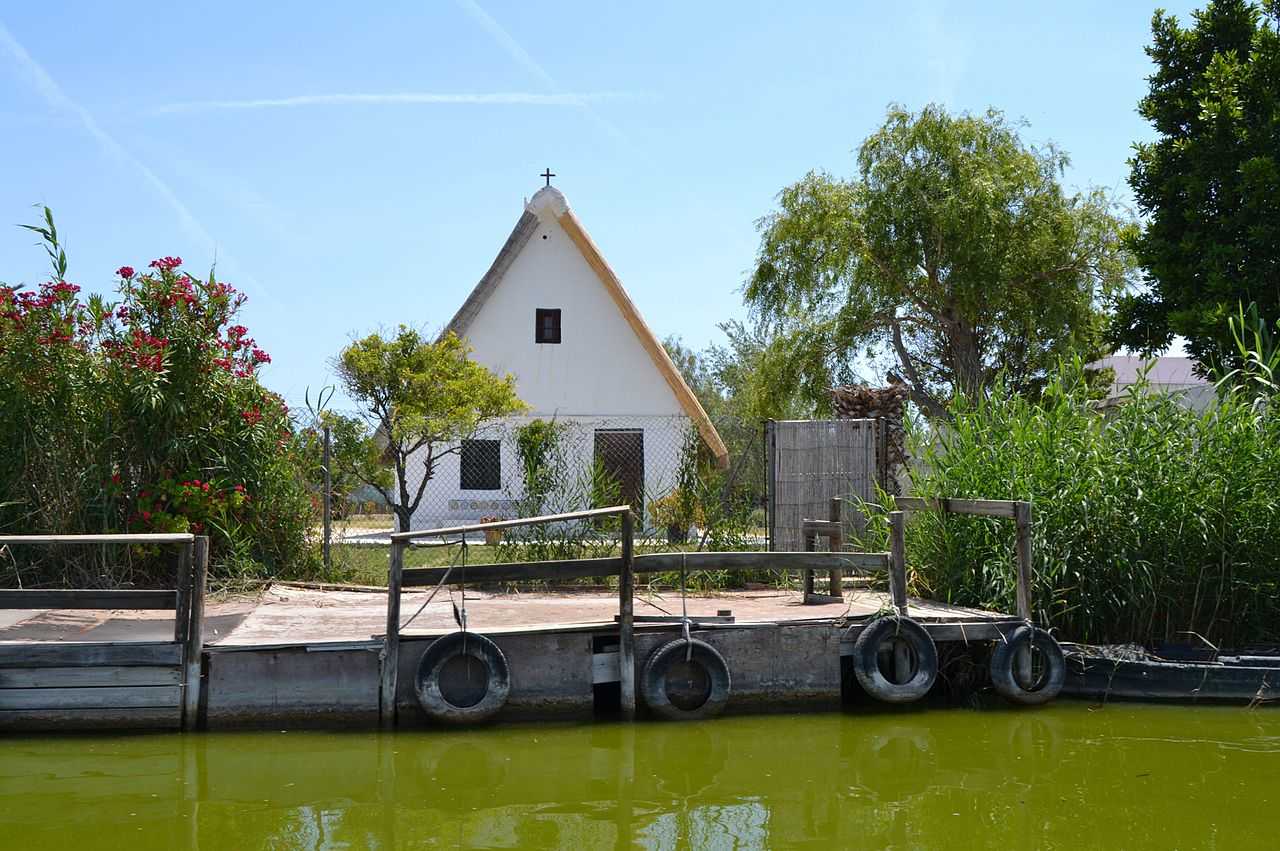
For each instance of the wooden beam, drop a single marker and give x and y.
(1023, 521)
(649, 563)
(821, 527)
(47, 655)
(103, 718)
(626, 626)
(49, 598)
(139, 538)
(96, 675)
(835, 543)
(90, 698)
(588, 514)
(898, 561)
(390, 657)
(982, 507)
(192, 680)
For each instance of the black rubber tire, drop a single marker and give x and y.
(1002, 660)
(866, 659)
(426, 683)
(653, 680)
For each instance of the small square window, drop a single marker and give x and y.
(547, 325)
(481, 467)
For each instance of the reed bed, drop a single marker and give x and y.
(1152, 521)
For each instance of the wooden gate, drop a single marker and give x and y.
(146, 684)
(812, 461)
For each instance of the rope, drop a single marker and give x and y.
(432, 596)
(684, 614)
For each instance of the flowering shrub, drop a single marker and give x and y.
(145, 414)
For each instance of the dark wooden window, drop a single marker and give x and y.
(547, 325)
(481, 467)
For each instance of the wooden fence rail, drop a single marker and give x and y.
(51, 684)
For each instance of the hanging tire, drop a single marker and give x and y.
(683, 684)
(1046, 685)
(922, 654)
(463, 678)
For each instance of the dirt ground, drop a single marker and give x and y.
(285, 614)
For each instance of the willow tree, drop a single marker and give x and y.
(423, 398)
(955, 252)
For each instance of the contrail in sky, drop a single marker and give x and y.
(573, 99)
(58, 99)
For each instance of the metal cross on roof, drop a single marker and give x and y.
(548, 174)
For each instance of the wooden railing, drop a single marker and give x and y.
(625, 566)
(62, 681)
(1016, 510)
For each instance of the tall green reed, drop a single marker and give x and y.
(1152, 521)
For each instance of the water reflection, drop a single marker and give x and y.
(1063, 777)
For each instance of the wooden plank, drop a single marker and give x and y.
(182, 609)
(1023, 521)
(390, 657)
(192, 679)
(605, 668)
(109, 718)
(130, 653)
(49, 598)
(123, 538)
(835, 543)
(649, 563)
(97, 675)
(898, 561)
(821, 527)
(982, 507)
(965, 631)
(90, 698)
(626, 626)
(510, 524)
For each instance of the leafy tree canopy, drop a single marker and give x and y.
(955, 250)
(422, 397)
(1210, 182)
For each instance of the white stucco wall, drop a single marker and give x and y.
(599, 367)
(445, 503)
(598, 376)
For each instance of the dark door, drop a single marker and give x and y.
(619, 460)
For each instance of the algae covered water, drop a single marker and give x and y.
(1068, 776)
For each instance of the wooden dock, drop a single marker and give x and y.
(307, 657)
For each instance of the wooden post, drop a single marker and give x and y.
(810, 545)
(391, 643)
(898, 561)
(328, 500)
(626, 622)
(1022, 518)
(182, 612)
(1022, 521)
(194, 649)
(835, 543)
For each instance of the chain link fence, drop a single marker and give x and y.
(524, 467)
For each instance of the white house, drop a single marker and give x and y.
(1173, 375)
(551, 312)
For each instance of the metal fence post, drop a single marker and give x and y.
(328, 498)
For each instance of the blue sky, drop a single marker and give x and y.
(352, 166)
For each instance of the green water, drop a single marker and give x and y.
(1068, 776)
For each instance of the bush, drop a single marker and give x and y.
(144, 415)
(1150, 523)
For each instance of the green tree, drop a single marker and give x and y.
(355, 458)
(422, 398)
(955, 250)
(1210, 182)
